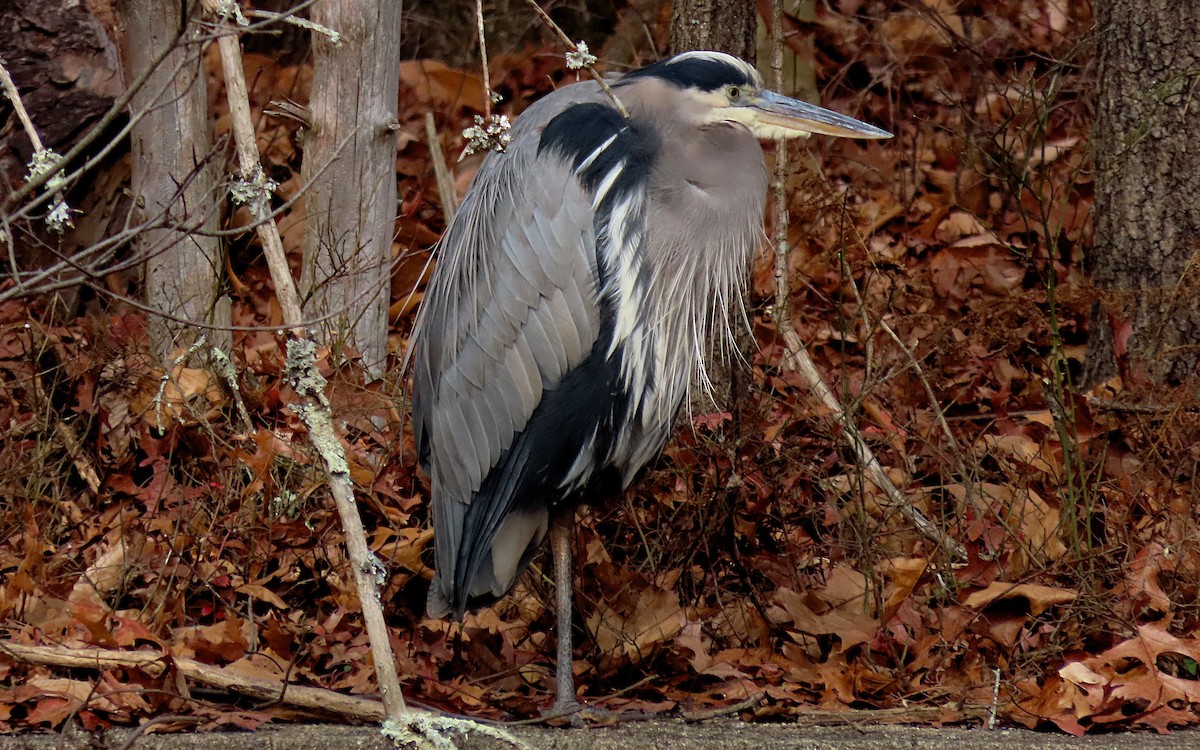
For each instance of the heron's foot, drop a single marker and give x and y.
(579, 715)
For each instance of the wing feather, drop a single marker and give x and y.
(545, 343)
(526, 374)
(450, 425)
(564, 322)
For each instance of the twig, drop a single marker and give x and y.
(44, 160)
(227, 370)
(151, 662)
(802, 363)
(994, 709)
(10, 88)
(83, 463)
(90, 272)
(734, 708)
(441, 172)
(490, 132)
(973, 497)
(487, 76)
(290, 16)
(116, 110)
(90, 261)
(248, 160)
(586, 711)
(571, 45)
(783, 302)
(229, 680)
(549, 716)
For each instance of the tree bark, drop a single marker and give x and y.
(59, 42)
(721, 25)
(351, 205)
(171, 147)
(1146, 261)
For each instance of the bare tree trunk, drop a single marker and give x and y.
(171, 145)
(1146, 260)
(351, 206)
(721, 25)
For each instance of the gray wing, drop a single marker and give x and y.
(511, 308)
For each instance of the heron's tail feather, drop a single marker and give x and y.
(510, 551)
(437, 605)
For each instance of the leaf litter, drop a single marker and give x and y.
(754, 558)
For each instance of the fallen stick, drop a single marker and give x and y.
(693, 717)
(155, 664)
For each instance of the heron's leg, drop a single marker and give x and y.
(562, 532)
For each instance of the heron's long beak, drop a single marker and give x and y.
(800, 118)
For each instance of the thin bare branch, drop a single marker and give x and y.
(487, 76)
(14, 96)
(115, 111)
(445, 181)
(571, 45)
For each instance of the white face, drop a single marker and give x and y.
(736, 104)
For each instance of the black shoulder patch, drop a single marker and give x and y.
(579, 130)
(579, 135)
(704, 73)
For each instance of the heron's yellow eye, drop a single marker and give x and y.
(734, 93)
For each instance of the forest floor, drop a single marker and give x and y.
(664, 734)
(155, 544)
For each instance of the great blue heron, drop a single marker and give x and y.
(575, 298)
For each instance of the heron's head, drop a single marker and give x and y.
(714, 87)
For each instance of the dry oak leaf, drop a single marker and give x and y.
(1124, 684)
(703, 661)
(436, 82)
(850, 626)
(636, 627)
(1040, 598)
(913, 34)
(903, 574)
(1024, 511)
